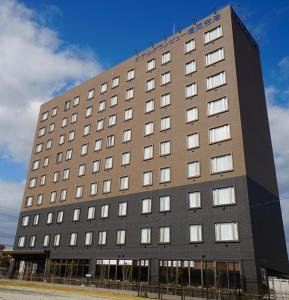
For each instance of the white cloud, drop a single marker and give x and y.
(10, 201)
(35, 65)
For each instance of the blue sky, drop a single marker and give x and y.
(60, 43)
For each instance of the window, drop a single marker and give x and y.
(49, 218)
(101, 106)
(90, 94)
(224, 196)
(104, 211)
(44, 116)
(165, 175)
(39, 199)
(166, 78)
(42, 180)
(36, 220)
(115, 82)
(123, 183)
(95, 166)
(111, 120)
(191, 90)
(216, 80)
(148, 152)
(66, 105)
(84, 149)
(145, 236)
(76, 101)
(74, 118)
(79, 192)
(192, 114)
(110, 141)
(214, 57)
(62, 139)
(76, 215)
(25, 221)
(88, 111)
(56, 241)
(88, 239)
(102, 238)
(64, 122)
(120, 237)
(193, 141)
(53, 196)
(103, 87)
(91, 213)
(146, 206)
(65, 174)
(51, 127)
(194, 200)
(129, 94)
(226, 232)
(150, 84)
(147, 178)
(165, 203)
(126, 135)
(165, 233)
(21, 241)
(46, 240)
(149, 106)
(191, 67)
(93, 189)
(41, 132)
(128, 114)
(108, 163)
(149, 128)
(130, 74)
(219, 134)
(73, 239)
(193, 169)
(196, 234)
(86, 130)
(32, 241)
(165, 148)
(222, 163)
(36, 164)
(71, 136)
(99, 125)
(59, 218)
(166, 57)
(151, 64)
(63, 195)
(218, 106)
(54, 111)
(49, 144)
(125, 158)
(98, 145)
(213, 34)
(38, 148)
(45, 161)
(165, 100)
(165, 123)
(56, 176)
(122, 209)
(190, 46)
(113, 100)
(106, 186)
(68, 155)
(81, 170)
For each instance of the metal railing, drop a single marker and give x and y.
(164, 292)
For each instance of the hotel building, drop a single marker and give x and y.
(159, 170)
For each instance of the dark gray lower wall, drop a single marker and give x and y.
(179, 219)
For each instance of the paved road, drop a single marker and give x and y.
(14, 293)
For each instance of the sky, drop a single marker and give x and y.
(46, 47)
